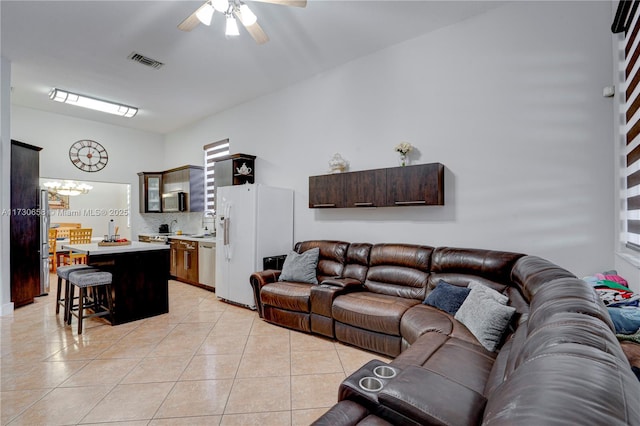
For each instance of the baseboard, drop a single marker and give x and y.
(6, 310)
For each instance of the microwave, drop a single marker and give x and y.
(174, 201)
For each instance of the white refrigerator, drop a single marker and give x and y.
(253, 221)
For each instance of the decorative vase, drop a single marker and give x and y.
(404, 160)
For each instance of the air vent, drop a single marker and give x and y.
(145, 60)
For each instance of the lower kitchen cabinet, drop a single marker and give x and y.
(184, 261)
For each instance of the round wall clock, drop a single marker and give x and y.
(88, 155)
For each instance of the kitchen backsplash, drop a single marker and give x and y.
(191, 223)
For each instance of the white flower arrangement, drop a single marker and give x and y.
(403, 148)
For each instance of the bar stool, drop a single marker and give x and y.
(63, 274)
(93, 280)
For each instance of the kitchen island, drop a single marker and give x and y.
(140, 272)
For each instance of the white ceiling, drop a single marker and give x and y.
(82, 46)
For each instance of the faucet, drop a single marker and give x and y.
(174, 221)
(208, 214)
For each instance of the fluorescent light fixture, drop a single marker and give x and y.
(248, 17)
(220, 5)
(205, 13)
(93, 103)
(232, 27)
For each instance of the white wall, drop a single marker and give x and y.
(6, 306)
(510, 102)
(130, 151)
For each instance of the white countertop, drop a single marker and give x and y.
(94, 248)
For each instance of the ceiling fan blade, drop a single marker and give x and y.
(254, 29)
(296, 3)
(191, 21)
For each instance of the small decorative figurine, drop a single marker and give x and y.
(337, 164)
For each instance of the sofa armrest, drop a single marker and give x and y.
(260, 279)
(431, 398)
(342, 282)
(322, 295)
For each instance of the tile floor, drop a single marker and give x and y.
(206, 362)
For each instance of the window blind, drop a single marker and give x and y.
(626, 20)
(212, 151)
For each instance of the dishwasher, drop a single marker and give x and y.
(207, 263)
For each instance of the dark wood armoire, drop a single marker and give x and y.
(25, 257)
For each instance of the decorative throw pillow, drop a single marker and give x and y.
(301, 267)
(447, 297)
(495, 295)
(485, 318)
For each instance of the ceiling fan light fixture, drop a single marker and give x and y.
(205, 13)
(232, 27)
(247, 16)
(220, 5)
(92, 103)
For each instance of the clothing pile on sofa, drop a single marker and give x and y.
(623, 306)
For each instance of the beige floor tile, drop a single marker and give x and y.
(204, 367)
(307, 342)
(128, 350)
(223, 344)
(62, 406)
(315, 390)
(279, 418)
(157, 369)
(196, 398)
(262, 327)
(87, 350)
(15, 402)
(265, 344)
(352, 359)
(187, 421)
(101, 371)
(266, 394)
(265, 365)
(232, 326)
(315, 362)
(137, 401)
(203, 316)
(306, 417)
(42, 375)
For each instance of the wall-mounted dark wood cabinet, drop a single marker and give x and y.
(417, 185)
(150, 192)
(235, 169)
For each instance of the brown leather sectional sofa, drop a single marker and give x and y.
(559, 361)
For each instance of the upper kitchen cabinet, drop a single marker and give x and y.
(421, 184)
(366, 188)
(235, 169)
(188, 180)
(150, 192)
(327, 191)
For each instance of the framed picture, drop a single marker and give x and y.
(57, 201)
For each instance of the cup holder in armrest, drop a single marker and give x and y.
(385, 372)
(371, 384)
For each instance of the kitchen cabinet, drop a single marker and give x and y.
(183, 258)
(24, 247)
(327, 191)
(235, 169)
(150, 192)
(365, 189)
(187, 179)
(421, 184)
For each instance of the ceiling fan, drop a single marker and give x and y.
(233, 9)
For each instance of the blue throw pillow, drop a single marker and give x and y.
(447, 297)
